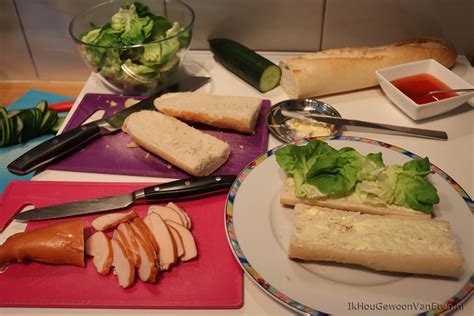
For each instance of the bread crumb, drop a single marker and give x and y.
(241, 146)
(107, 101)
(132, 144)
(168, 166)
(107, 146)
(147, 155)
(130, 102)
(113, 103)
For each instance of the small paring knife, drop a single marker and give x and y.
(426, 133)
(186, 188)
(71, 141)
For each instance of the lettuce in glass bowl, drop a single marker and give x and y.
(135, 47)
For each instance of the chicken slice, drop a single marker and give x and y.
(177, 240)
(108, 221)
(190, 249)
(184, 216)
(123, 265)
(100, 248)
(166, 213)
(167, 254)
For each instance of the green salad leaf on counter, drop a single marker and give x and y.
(117, 57)
(321, 170)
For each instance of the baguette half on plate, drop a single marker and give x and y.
(232, 112)
(347, 203)
(189, 149)
(351, 68)
(384, 243)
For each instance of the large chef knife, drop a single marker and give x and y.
(68, 142)
(187, 188)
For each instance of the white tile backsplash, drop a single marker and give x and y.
(15, 61)
(267, 25)
(376, 22)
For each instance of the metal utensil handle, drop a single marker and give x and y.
(409, 130)
(191, 187)
(55, 148)
(450, 90)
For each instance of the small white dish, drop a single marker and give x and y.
(429, 66)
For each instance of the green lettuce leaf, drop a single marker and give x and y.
(320, 170)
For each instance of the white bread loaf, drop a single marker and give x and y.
(384, 243)
(349, 203)
(232, 112)
(346, 69)
(189, 149)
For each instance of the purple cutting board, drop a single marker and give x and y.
(110, 154)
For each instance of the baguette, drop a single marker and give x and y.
(346, 69)
(189, 149)
(349, 203)
(384, 243)
(232, 112)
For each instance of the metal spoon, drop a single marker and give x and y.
(450, 90)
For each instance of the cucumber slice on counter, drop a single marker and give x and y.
(42, 105)
(11, 114)
(57, 125)
(245, 63)
(21, 125)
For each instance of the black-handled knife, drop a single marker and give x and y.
(71, 141)
(187, 188)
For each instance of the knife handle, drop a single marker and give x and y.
(55, 148)
(191, 187)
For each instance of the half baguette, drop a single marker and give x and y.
(351, 68)
(384, 243)
(232, 112)
(349, 203)
(187, 148)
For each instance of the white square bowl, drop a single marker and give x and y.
(410, 107)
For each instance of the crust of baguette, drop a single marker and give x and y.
(231, 112)
(345, 69)
(418, 264)
(287, 197)
(409, 251)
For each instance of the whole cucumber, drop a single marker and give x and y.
(245, 63)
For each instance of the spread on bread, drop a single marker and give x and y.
(351, 208)
(346, 69)
(141, 247)
(384, 243)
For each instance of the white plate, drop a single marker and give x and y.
(258, 230)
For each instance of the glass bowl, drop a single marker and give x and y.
(132, 51)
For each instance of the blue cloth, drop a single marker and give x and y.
(10, 153)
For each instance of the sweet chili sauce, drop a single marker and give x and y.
(416, 87)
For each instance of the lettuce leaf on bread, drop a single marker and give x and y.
(320, 170)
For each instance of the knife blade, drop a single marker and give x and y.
(427, 133)
(186, 188)
(70, 141)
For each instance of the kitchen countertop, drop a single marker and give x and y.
(12, 90)
(455, 157)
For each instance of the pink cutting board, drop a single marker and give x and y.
(213, 280)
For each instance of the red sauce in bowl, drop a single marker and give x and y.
(416, 87)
